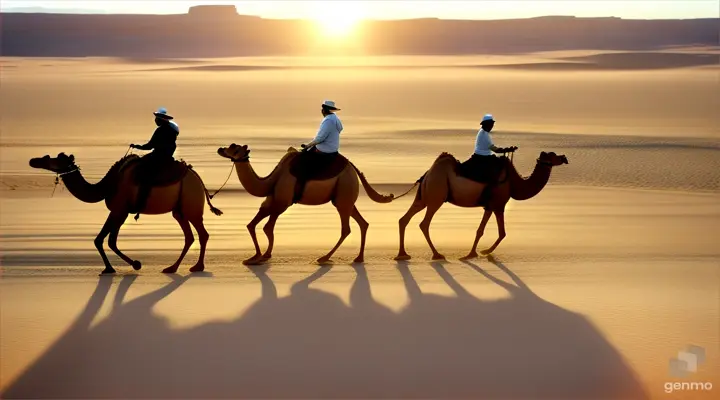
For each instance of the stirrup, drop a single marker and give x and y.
(137, 216)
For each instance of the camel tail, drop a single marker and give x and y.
(372, 193)
(213, 209)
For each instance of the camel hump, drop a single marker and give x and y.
(164, 174)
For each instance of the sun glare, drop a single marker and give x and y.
(338, 19)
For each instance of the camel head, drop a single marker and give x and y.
(60, 164)
(235, 152)
(552, 159)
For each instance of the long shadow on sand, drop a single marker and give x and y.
(310, 344)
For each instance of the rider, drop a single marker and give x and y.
(163, 145)
(483, 161)
(321, 151)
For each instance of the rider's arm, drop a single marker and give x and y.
(149, 145)
(503, 150)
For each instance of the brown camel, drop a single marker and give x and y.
(442, 184)
(185, 199)
(278, 190)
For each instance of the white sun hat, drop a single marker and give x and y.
(488, 117)
(330, 105)
(162, 113)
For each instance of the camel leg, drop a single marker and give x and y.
(189, 239)
(425, 228)
(344, 232)
(363, 233)
(112, 243)
(500, 217)
(263, 212)
(269, 230)
(203, 237)
(478, 235)
(417, 206)
(111, 224)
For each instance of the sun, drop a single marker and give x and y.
(338, 18)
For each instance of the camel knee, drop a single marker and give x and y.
(268, 229)
(99, 242)
(424, 225)
(203, 236)
(113, 245)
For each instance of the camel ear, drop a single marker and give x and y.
(72, 158)
(248, 152)
(543, 154)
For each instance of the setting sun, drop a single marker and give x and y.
(338, 19)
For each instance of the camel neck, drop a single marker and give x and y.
(82, 189)
(526, 188)
(255, 185)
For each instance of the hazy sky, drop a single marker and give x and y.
(468, 9)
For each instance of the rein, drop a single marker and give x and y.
(57, 178)
(234, 160)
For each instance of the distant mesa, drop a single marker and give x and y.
(213, 11)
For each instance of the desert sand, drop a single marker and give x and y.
(604, 277)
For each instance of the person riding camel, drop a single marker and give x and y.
(162, 144)
(483, 164)
(322, 151)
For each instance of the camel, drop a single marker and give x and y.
(185, 199)
(441, 184)
(278, 190)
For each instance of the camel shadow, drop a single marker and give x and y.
(311, 344)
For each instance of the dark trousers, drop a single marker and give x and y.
(308, 165)
(150, 165)
(484, 169)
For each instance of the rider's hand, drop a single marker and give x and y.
(304, 147)
(133, 146)
(513, 148)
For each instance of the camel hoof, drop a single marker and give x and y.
(198, 268)
(107, 271)
(323, 260)
(255, 260)
(469, 256)
(170, 270)
(402, 257)
(359, 260)
(438, 257)
(486, 252)
(136, 265)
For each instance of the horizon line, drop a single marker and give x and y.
(28, 10)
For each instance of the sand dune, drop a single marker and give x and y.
(597, 62)
(603, 277)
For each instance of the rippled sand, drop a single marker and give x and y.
(603, 277)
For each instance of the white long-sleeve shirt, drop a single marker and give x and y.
(483, 143)
(328, 136)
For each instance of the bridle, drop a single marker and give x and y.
(244, 158)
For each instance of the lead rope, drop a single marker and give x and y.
(226, 181)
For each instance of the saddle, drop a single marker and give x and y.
(158, 174)
(488, 170)
(308, 166)
(482, 170)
